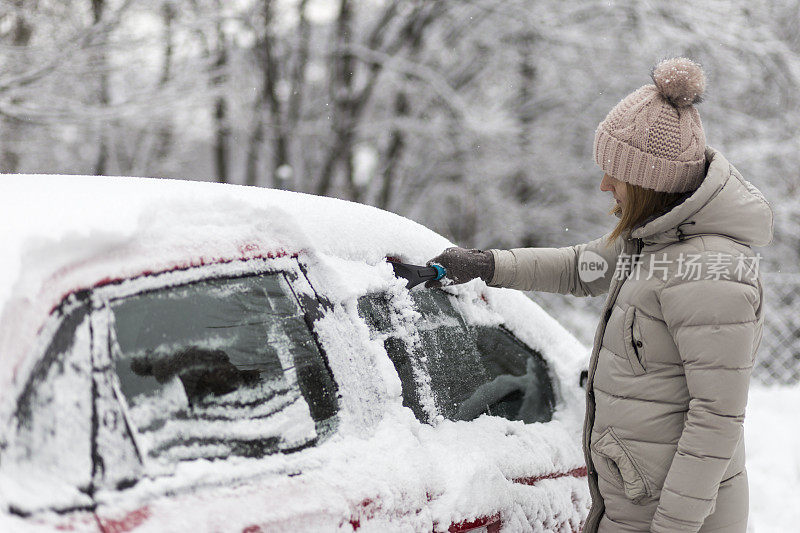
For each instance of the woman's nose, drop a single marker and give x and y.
(605, 184)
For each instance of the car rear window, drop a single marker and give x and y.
(209, 369)
(468, 369)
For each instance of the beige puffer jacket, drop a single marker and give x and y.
(672, 357)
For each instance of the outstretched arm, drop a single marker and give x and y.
(556, 269)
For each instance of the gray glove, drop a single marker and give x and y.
(463, 265)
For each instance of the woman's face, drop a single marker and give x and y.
(616, 187)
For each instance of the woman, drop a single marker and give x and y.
(673, 353)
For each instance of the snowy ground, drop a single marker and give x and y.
(772, 434)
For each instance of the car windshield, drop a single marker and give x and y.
(468, 369)
(209, 369)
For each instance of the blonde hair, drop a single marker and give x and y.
(640, 205)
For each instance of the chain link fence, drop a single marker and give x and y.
(778, 357)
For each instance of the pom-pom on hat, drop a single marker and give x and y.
(654, 137)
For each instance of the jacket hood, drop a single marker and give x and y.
(724, 204)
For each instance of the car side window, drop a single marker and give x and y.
(470, 370)
(521, 387)
(209, 369)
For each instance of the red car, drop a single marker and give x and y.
(182, 356)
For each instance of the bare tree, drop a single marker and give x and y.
(270, 71)
(221, 125)
(103, 99)
(297, 86)
(168, 15)
(12, 127)
(349, 103)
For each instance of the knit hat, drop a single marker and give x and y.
(654, 138)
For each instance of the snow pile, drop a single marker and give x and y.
(772, 438)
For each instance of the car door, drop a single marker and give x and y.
(204, 380)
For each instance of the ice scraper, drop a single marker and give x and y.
(418, 274)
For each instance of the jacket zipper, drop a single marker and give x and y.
(639, 246)
(592, 521)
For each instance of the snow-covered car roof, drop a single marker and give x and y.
(161, 222)
(62, 234)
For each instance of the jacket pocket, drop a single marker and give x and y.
(634, 346)
(623, 466)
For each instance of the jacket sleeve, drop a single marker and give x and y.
(558, 269)
(715, 327)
